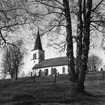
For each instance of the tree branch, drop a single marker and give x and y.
(97, 5)
(59, 2)
(48, 5)
(97, 28)
(2, 37)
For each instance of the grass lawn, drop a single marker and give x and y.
(25, 91)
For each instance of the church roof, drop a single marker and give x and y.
(38, 44)
(60, 61)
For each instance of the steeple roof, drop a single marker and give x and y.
(38, 44)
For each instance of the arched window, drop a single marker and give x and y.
(34, 56)
(52, 71)
(63, 70)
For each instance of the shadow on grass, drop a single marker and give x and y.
(24, 99)
(99, 96)
(26, 92)
(88, 100)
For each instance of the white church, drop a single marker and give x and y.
(47, 66)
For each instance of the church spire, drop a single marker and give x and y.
(38, 44)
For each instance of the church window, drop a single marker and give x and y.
(52, 71)
(34, 56)
(46, 71)
(63, 70)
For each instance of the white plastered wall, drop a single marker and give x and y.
(59, 70)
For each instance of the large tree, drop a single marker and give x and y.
(86, 16)
(13, 59)
(94, 62)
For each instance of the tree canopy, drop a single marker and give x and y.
(12, 60)
(94, 62)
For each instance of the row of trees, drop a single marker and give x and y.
(12, 59)
(94, 62)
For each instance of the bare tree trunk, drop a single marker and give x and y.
(16, 73)
(86, 43)
(12, 74)
(16, 77)
(83, 40)
(79, 38)
(71, 69)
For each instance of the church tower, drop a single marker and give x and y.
(38, 52)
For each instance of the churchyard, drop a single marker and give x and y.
(42, 91)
